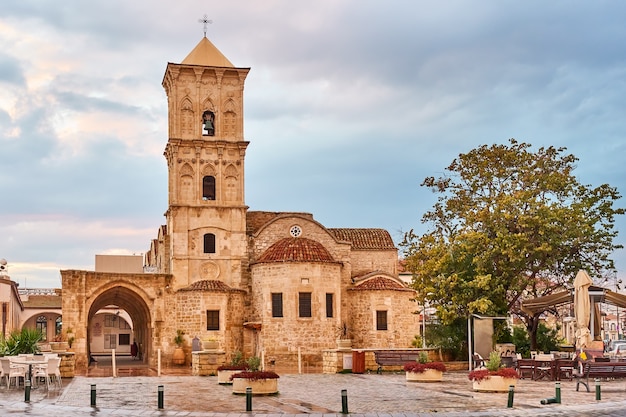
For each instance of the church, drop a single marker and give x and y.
(271, 284)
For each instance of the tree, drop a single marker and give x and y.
(510, 224)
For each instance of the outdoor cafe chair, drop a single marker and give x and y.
(543, 366)
(564, 369)
(526, 368)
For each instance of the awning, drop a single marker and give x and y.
(598, 294)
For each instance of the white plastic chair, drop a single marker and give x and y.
(17, 372)
(5, 366)
(53, 371)
(41, 372)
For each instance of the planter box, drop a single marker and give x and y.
(494, 384)
(223, 377)
(259, 386)
(429, 375)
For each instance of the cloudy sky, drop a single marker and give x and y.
(348, 106)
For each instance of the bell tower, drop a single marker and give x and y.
(206, 215)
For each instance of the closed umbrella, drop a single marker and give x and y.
(582, 309)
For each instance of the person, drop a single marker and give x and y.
(134, 350)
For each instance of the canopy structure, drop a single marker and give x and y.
(549, 302)
(596, 295)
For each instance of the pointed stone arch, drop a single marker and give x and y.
(186, 184)
(231, 183)
(131, 299)
(187, 117)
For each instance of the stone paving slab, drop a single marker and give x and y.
(387, 395)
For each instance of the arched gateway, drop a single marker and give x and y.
(142, 296)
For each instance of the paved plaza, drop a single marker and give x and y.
(387, 395)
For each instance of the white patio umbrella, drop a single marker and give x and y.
(582, 308)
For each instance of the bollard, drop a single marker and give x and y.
(26, 391)
(557, 394)
(549, 401)
(249, 399)
(344, 401)
(511, 394)
(160, 397)
(598, 395)
(93, 395)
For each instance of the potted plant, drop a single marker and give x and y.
(422, 370)
(494, 378)
(261, 382)
(343, 339)
(59, 343)
(210, 343)
(178, 358)
(225, 372)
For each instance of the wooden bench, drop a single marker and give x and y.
(394, 358)
(591, 369)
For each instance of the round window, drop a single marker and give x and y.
(295, 231)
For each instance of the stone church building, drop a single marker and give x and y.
(270, 284)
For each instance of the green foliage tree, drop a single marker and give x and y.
(510, 224)
(451, 338)
(547, 339)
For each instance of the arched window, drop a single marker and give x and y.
(208, 123)
(209, 243)
(208, 188)
(42, 326)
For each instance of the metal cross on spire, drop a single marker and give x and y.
(205, 20)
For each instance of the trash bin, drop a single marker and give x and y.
(358, 361)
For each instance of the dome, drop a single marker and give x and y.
(296, 249)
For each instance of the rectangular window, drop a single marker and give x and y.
(212, 319)
(124, 339)
(304, 304)
(381, 320)
(277, 304)
(329, 304)
(124, 324)
(109, 341)
(110, 320)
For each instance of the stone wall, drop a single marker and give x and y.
(205, 363)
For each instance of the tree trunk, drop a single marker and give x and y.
(532, 325)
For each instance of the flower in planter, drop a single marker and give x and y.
(423, 363)
(494, 368)
(421, 367)
(256, 375)
(236, 363)
(252, 372)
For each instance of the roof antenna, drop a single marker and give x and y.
(205, 21)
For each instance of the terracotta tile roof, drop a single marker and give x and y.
(256, 219)
(380, 283)
(296, 249)
(365, 238)
(209, 285)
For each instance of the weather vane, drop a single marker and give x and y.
(205, 21)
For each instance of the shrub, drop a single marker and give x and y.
(480, 374)
(256, 375)
(418, 367)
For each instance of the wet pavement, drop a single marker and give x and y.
(315, 394)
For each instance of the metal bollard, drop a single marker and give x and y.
(344, 401)
(549, 401)
(557, 393)
(598, 394)
(249, 399)
(160, 397)
(93, 395)
(511, 394)
(26, 391)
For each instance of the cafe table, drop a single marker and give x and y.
(30, 361)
